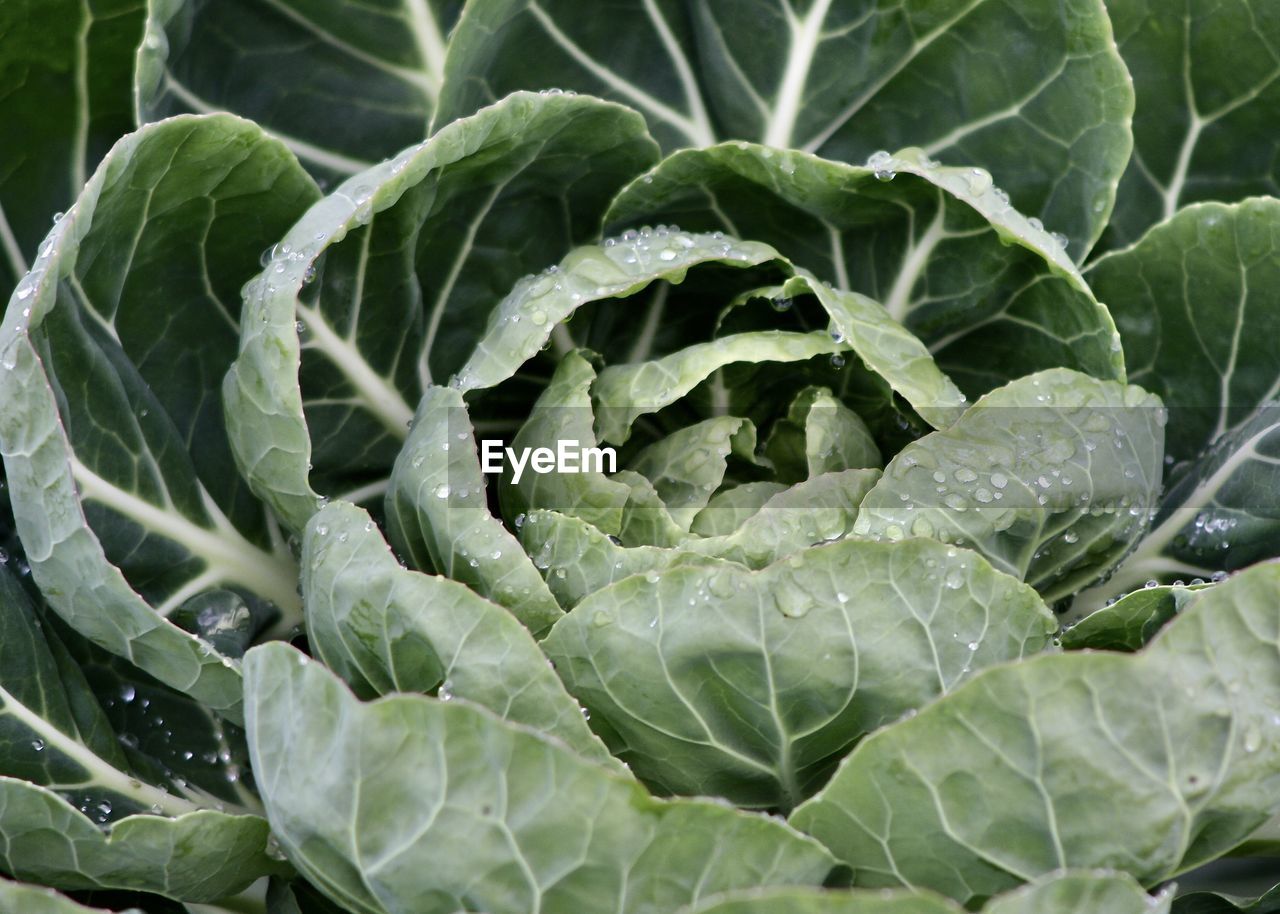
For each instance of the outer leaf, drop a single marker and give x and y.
(622, 393)
(415, 252)
(1051, 477)
(30, 899)
(438, 517)
(341, 84)
(1220, 513)
(780, 73)
(1151, 763)
(199, 856)
(1209, 903)
(401, 778)
(1081, 892)
(61, 770)
(1197, 301)
(117, 460)
(992, 292)
(1100, 892)
(54, 731)
(384, 629)
(813, 901)
(750, 686)
(1128, 623)
(1205, 75)
(66, 68)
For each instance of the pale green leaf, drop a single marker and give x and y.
(383, 628)
(438, 518)
(370, 801)
(622, 393)
(751, 685)
(688, 465)
(1051, 477)
(1150, 763)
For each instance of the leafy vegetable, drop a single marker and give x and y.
(428, 488)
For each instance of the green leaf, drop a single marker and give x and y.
(1099, 892)
(1204, 73)
(814, 901)
(619, 267)
(563, 412)
(383, 629)
(1210, 903)
(751, 685)
(1220, 513)
(523, 321)
(66, 67)
(438, 518)
(369, 801)
(578, 559)
(31, 899)
(992, 292)
(1151, 763)
(1081, 892)
(1049, 117)
(1051, 477)
(623, 393)
(689, 464)
(407, 258)
(64, 778)
(342, 85)
(124, 492)
(1128, 623)
(1197, 301)
(728, 509)
(199, 856)
(819, 435)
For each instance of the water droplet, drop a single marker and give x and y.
(37, 745)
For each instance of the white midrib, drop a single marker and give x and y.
(229, 557)
(101, 773)
(1224, 389)
(426, 81)
(426, 33)
(334, 161)
(9, 243)
(1173, 192)
(806, 34)
(913, 263)
(698, 134)
(80, 136)
(375, 392)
